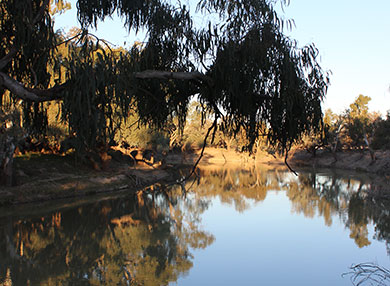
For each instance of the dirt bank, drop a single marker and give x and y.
(45, 177)
(347, 160)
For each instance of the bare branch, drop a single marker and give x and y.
(36, 95)
(212, 127)
(69, 39)
(369, 273)
(288, 166)
(154, 74)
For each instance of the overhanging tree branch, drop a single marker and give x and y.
(197, 76)
(36, 95)
(154, 74)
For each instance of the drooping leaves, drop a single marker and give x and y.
(257, 78)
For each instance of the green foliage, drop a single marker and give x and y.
(358, 122)
(197, 123)
(253, 75)
(357, 127)
(333, 124)
(359, 108)
(381, 137)
(139, 135)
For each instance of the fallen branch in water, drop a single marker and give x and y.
(369, 274)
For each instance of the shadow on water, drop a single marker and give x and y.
(147, 238)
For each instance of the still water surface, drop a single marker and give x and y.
(231, 227)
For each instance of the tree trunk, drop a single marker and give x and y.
(334, 147)
(372, 152)
(7, 159)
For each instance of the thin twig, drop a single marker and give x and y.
(69, 39)
(213, 126)
(288, 166)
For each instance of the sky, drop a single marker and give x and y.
(353, 38)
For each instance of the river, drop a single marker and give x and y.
(227, 227)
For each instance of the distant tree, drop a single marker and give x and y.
(240, 64)
(333, 125)
(359, 123)
(328, 138)
(359, 108)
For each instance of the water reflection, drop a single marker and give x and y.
(328, 195)
(138, 240)
(147, 238)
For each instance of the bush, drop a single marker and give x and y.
(381, 138)
(142, 137)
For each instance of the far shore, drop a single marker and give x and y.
(355, 160)
(44, 178)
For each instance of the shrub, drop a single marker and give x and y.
(381, 138)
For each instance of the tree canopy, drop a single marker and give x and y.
(238, 62)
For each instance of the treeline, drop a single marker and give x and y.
(356, 128)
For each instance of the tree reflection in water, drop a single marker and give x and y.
(328, 195)
(142, 239)
(146, 238)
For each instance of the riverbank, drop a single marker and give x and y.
(355, 161)
(47, 177)
(346, 160)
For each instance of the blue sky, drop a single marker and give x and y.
(353, 37)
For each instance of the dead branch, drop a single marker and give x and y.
(288, 166)
(213, 126)
(369, 273)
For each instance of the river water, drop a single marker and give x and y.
(228, 227)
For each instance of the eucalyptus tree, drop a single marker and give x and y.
(237, 61)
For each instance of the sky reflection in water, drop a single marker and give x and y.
(235, 227)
